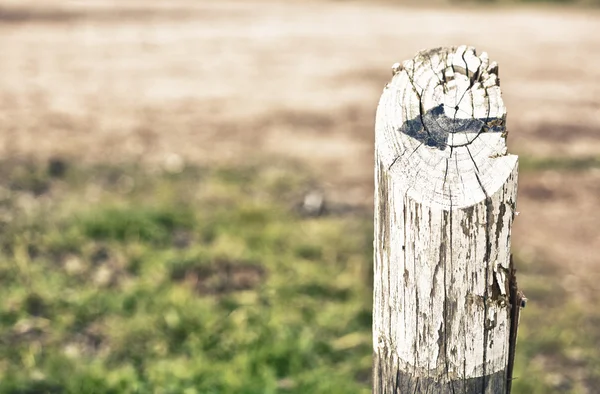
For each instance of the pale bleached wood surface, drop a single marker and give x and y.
(444, 206)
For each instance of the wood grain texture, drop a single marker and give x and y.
(445, 195)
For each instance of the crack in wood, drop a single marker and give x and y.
(486, 260)
(517, 302)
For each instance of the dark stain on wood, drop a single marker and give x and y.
(384, 209)
(517, 299)
(467, 225)
(434, 127)
(500, 223)
(389, 379)
(489, 215)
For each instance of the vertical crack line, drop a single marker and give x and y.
(414, 150)
(445, 305)
(440, 82)
(470, 88)
(427, 380)
(444, 182)
(445, 175)
(515, 305)
(489, 107)
(451, 265)
(381, 374)
(472, 102)
(433, 70)
(488, 251)
(416, 386)
(389, 283)
(449, 255)
(394, 162)
(416, 300)
(471, 80)
(476, 172)
(406, 245)
(451, 61)
(411, 78)
(464, 376)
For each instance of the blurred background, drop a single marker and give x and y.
(186, 189)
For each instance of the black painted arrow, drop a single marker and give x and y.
(434, 127)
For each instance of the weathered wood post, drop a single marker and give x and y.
(445, 299)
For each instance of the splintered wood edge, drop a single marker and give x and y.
(440, 128)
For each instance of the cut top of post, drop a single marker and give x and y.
(440, 128)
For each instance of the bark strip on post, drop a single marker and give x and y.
(445, 192)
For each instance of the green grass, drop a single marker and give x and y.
(120, 280)
(558, 346)
(531, 164)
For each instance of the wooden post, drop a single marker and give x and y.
(445, 296)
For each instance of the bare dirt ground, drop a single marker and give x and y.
(212, 82)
